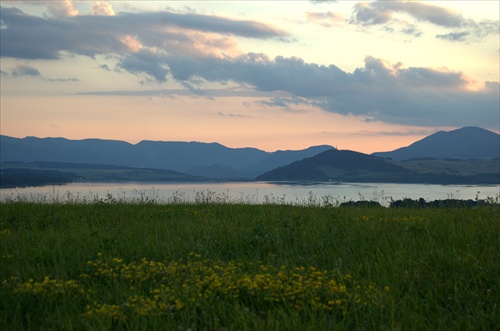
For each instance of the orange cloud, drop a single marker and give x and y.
(101, 8)
(62, 8)
(131, 43)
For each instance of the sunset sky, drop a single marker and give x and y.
(365, 76)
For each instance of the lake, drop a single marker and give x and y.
(248, 192)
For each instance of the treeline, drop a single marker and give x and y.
(12, 177)
(446, 203)
(421, 203)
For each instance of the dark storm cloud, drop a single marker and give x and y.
(382, 12)
(30, 37)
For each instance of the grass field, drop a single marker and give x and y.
(219, 266)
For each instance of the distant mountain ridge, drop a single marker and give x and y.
(20, 174)
(337, 165)
(467, 142)
(349, 166)
(195, 158)
(466, 155)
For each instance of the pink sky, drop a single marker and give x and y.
(364, 76)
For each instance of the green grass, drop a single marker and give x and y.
(247, 267)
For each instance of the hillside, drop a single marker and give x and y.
(468, 155)
(467, 142)
(349, 166)
(19, 174)
(178, 156)
(271, 161)
(195, 158)
(337, 165)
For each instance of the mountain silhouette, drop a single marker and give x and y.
(433, 159)
(271, 161)
(337, 165)
(195, 158)
(467, 142)
(349, 166)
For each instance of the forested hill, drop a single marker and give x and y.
(19, 174)
(349, 166)
(336, 165)
(464, 143)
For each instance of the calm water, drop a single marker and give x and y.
(249, 192)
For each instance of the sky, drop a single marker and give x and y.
(275, 75)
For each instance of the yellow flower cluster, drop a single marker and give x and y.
(196, 282)
(49, 287)
(112, 288)
(114, 311)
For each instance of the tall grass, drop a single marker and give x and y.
(234, 266)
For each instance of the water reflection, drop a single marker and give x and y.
(247, 192)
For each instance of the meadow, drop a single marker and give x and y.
(234, 266)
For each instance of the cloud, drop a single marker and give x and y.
(406, 133)
(195, 49)
(319, 2)
(193, 85)
(105, 67)
(31, 37)
(285, 103)
(381, 91)
(384, 12)
(61, 8)
(454, 36)
(227, 92)
(145, 61)
(24, 70)
(372, 13)
(101, 8)
(62, 79)
(222, 114)
(326, 19)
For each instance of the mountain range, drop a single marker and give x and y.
(467, 142)
(195, 158)
(466, 155)
(354, 167)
